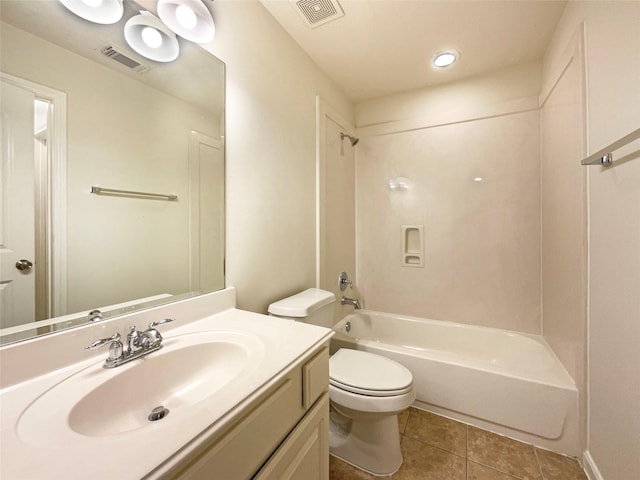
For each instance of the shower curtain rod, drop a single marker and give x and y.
(604, 157)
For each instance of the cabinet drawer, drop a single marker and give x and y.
(315, 378)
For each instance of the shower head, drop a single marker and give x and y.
(354, 141)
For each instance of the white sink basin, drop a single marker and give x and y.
(187, 372)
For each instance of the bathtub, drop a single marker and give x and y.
(507, 382)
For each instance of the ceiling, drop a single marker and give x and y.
(382, 47)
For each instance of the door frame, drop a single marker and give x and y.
(196, 139)
(56, 208)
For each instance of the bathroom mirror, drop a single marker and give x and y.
(90, 112)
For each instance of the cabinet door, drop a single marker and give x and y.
(305, 453)
(239, 453)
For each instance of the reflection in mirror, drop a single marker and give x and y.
(80, 109)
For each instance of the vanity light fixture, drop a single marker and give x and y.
(188, 18)
(444, 59)
(104, 12)
(149, 37)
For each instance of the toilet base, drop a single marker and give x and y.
(372, 445)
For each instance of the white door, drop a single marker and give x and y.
(206, 187)
(17, 278)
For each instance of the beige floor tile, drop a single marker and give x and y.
(475, 471)
(503, 454)
(432, 450)
(559, 467)
(424, 462)
(339, 470)
(438, 431)
(402, 419)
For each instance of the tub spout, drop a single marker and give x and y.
(351, 301)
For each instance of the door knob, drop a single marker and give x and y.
(24, 264)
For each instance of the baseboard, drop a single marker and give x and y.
(589, 466)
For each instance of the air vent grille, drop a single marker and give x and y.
(121, 58)
(318, 12)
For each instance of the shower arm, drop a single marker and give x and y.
(353, 140)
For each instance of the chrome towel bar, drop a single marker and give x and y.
(604, 157)
(113, 191)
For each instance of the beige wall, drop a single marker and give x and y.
(108, 148)
(613, 104)
(270, 153)
(481, 239)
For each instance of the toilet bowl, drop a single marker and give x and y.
(366, 392)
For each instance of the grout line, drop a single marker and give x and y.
(431, 445)
(466, 451)
(406, 421)
(535, 452)
(466, 441)
(495, 470)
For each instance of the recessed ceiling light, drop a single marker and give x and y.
(444, 59)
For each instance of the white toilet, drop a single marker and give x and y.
(366, 391)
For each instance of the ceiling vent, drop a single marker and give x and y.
(318, 12)
(123, 59)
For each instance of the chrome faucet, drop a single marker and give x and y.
(139, 344)
(134, 340)
(351, 301)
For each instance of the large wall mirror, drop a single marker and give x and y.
(82, 115)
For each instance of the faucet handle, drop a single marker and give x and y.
(103, 341)
(344, 282)
(115, 349)
(161, 322)
(152, 337)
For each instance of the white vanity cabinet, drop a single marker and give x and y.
(280, 434)
(247, 396)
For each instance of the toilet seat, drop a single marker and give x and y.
(368, 392)
(368, 374)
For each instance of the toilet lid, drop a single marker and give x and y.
(368, 374)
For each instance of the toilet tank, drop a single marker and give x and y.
(314, 306)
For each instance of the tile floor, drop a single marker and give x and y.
(437, 448)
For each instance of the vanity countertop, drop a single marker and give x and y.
(55, 450)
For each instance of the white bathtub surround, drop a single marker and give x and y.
(564, 214)
(481, 245)
(498, 380)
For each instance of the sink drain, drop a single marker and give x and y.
(158, 413)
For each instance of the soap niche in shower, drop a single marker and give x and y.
(412, 245)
